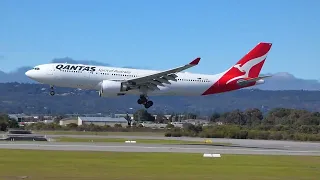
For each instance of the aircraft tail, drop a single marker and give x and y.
(250, 65)
(244, 73)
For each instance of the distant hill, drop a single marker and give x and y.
(34, 98)
(279, 81)
(287, 81)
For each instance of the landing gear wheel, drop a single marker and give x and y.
(51, 90)
(52, 93)
(144, 100)
(148, 104)
(140, 101)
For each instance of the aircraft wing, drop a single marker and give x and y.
(151, 81)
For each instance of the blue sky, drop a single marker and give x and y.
(162, 34)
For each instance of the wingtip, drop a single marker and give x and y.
(195, 61)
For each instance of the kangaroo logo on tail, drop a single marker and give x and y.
(246, 67)
(249, 66)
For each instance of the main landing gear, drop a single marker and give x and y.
(52, 91)
(144, 100)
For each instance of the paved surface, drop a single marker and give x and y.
(122, 147)
(264, 144)
(239, 146)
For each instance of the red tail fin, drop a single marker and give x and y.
(249, 66)
(252, 62)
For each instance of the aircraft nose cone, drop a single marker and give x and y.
(28, 73)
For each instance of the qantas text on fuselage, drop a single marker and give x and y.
(114, 82)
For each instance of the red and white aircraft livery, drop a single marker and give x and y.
(113, 81)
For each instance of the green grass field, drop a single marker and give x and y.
(67, 165)
(101, 133)
(120, 140)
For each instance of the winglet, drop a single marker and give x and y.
(195, 61)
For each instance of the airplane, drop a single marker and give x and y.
(115, 81)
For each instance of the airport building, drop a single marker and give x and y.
(102, 121)
(65, 121)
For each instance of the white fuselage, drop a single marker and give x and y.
(75, 76)
(113, 81)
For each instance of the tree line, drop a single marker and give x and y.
(6, 122)
(277, 124)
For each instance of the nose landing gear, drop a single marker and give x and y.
(52, 93)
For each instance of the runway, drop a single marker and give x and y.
(122, 147)
(248, 143)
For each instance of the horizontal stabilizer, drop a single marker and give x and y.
(259, 80)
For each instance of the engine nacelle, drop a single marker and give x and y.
(112, 88)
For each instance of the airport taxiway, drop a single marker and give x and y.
(123, 147)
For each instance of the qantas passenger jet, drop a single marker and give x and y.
(113, 81)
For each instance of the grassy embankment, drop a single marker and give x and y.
(101, 133)
(120, 140)
(67, 165)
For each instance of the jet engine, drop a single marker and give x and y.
(112, 88)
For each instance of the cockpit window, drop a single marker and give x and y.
(36, 68)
